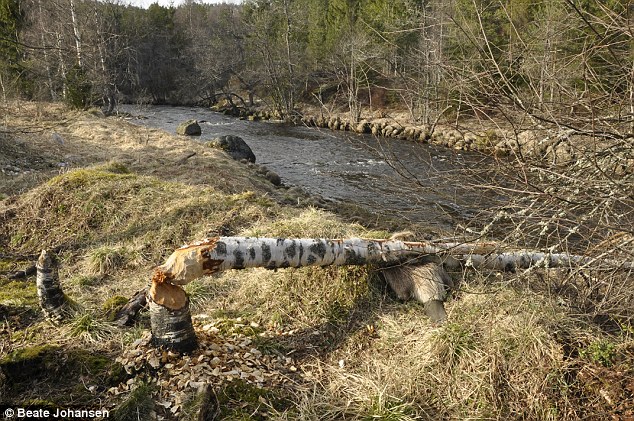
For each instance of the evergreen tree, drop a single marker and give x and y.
(11, 21)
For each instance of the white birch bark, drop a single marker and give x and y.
(47, 64)
(62, 65)
(172, 329)
(217, 254)
(76, 33)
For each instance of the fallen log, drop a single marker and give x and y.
(217, 254)
(126, 315)
(222, 253)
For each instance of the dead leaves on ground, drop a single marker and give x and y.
(222, 357)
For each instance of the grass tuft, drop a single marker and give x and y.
(200, 293)
(137, 406)
(89, 328)
(106, 260)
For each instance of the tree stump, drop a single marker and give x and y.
(49, 290)
(170, 318)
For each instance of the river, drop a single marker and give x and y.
(418, 183)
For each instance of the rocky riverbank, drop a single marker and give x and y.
(559, 147)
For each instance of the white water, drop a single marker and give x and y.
(396, 178)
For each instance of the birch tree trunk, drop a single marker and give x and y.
(62, 65)
(217, 254)
(76, 33)
(171, 320)
(47, 63)
(49, 291)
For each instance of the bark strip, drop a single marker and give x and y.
(426, 284)
(49, 291)
(127, 314)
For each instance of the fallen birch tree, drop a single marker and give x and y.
(169, 305)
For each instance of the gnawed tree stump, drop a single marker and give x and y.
(49, 290)
(426, 284)
(170, 318)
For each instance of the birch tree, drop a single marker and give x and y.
(276, 38)
(170, 306)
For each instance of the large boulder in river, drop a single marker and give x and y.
(234, 146)
(189, 128)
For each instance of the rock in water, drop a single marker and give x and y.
(234, 146)
(189, 128)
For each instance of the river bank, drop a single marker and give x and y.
(114, 199)
(558, 147)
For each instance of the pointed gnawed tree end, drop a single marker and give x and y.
(49, 290)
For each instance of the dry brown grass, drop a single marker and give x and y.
(502, 355)
(112, 223)
(30, 130)
(510, 350)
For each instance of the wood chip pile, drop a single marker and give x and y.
(220, 358)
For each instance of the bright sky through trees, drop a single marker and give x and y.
(146, 3)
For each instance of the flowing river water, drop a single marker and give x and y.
(418, 183)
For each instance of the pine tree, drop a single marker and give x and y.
(11, 20)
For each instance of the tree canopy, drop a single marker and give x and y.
(427, 56)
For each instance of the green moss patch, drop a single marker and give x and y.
(7, 265)
(18, 293)
(27, 362)
(112, 305)
(239, 400)
(54, 372)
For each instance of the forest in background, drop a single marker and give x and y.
(558, 62)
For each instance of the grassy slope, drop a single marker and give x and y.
(506, 352)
